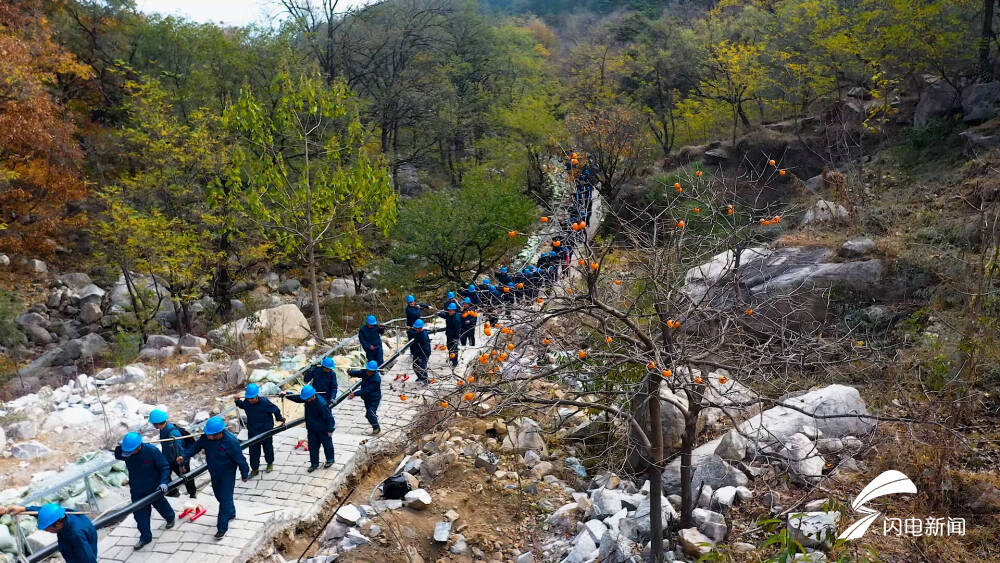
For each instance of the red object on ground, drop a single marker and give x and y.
(198, 513)
(302, 444)
(186, 512)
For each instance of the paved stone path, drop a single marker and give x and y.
(271, 501)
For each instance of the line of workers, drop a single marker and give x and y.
(150, 468)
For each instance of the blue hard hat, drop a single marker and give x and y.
(472, 287)
(49, 514)
(486, 281)
(410, 299)
(419, 323)
(510, 284)
(328, 362)
(130, 443)
(215, 425)
(451, 295)
(503, 270)
(467, 300)
(307, 392)
(452, 306)
(370, 319)
(252, 391)
(372, 365)
(157, 416)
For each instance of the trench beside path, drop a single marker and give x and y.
(273, 501)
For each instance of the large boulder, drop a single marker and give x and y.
(90, 313)
(87, 347)
(160, 341)
(699, 280)
(826, 212)
(74, 280)
(773, 427)
(237, 374)
(814, 529)
(285, 322)
(342, 287)
(939, 100)
(89, 293)
(709, 469)
(980, 102)
(121, 301)
(671, 425)
(29, 450)
(73, 416)
(855, 247)
(524, 434)
(805, 464)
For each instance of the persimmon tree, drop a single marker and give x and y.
(612, 135)
(633, 337)
(309, 175)
(39, 157)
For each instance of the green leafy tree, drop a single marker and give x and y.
(310, 178)
(453, 235)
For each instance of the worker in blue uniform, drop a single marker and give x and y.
(449, 300)
(452, 332)
(75, 533)
(261, 416)
(503, 277)
(223, 457)
(323, 379)
(370, 392)
(171, 446)
(471, 293)
(148, 471)
(413, 310)
(469, 319)
(370, 337)
(420, 350)
(319, 425)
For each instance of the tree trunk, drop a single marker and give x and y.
(317, 317)
(222, 285)
(986, 39)
(178, 316)
(687, 471)
(654, 471)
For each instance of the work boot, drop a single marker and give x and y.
(169, 524)
(140, 544)
(219, 535)
(269, 468)
(312, 468)
(327, 465)
(173, 493)
(194, 495)
(376, 430)
(253, 473)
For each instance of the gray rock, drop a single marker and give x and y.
(595, 528)
(38, 334)
(237, 374)
(353, 539)
(29, 450)
(89, 346)
(342, 287)
(290, 286)
(774, 426)
(565, 517)
(524, 434)
(442, 531)
(89, 294)
(852, 444)
(193, 341)
(90, 313)
(40, 539)
(31, 318)
(160, 341)
(805, 464)
(35, 266)
(814, 529)
(349, 514)
(704, 496)
(856, 247)
(531, 458)
(733, 447)
(826, 212)
(642, 520)
(541, 469)
(671, 424)
(938, 100)
(334, 532)
(4, 260)
(437, 464)
(711, 470)
(606, 502)
(577, 467)
(613, 523)
(583, 547)
(418, 499)
(157, 353)
(710, 523)
(695, 543)
(525, 557)
(74, 280)
(980, 102)
(23, 430)
(135, 373)
(744, 494)
(723, 498)
(460, 547)
(829, 445)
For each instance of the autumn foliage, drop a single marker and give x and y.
(39, 156)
